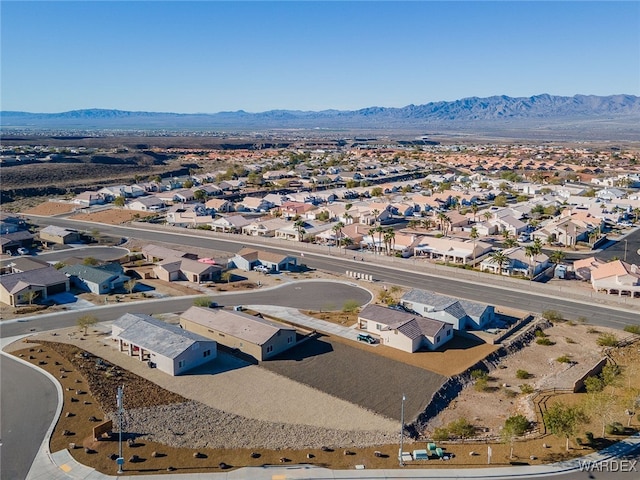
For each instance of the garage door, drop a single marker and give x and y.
(57, 288)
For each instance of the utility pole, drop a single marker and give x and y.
(402, 431)
(120, 459)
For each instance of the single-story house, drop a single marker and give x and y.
(230, 224)
(60, 235)
(617, 278)
(147, 204)
(154, 253)
(195, 271)
(100, 280)
(15, 240)
(168, 347)
(405, 331)
(462, 314)
(248, 258)
(518, 263)
(264, 228)
(46, 281)
(255, 336)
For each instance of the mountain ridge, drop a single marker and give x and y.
(578, 112)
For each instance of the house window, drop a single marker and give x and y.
(206, 353)
(438, 339)
(220, 334)
(181, 363)
(448, 333)
(289, 339)
(378, 326)
(270, 349)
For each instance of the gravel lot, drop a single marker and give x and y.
(359, 377)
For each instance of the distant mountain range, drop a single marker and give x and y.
(617, 115)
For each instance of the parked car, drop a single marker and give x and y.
(23, 251)
(261, 268)
(365, 337)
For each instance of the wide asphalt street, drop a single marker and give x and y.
(28, 400)
(522, 298)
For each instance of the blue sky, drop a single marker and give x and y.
(211, 56)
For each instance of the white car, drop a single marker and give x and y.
(23, 251)
(261, 268)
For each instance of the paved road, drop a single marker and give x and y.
(314, 295)
(99, 253)
(29, 402)
(520, 299)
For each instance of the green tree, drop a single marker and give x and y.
(499, 258)
(607, 340)
(461, 428)
(564, 420)
(226, 276)
(119, 201)
(376, 192)
(299, 227)
(500, 201)
(474, 235)
(200, 195)
(86, 321)
(557, 257)
(30, 296)
(514, 427)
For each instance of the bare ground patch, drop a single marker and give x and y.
(360, 377)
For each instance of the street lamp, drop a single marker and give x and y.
(120, 459)
(402, 431)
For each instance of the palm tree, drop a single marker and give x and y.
(389, 237)
(474, 209)
(299, 226)
(337, 229)
(442, 219)
(474, 235)
(557, 257)
(500, 259)
(487, 215)
(530, 252)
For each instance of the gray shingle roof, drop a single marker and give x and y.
(443, 302)
(97, 275)
(409, 324)
(155, 335)
(40, 277)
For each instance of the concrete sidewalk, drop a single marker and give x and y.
(293, 315)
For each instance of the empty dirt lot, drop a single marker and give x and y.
(357, 376)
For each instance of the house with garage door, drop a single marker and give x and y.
(166, 346)
(255, 336)
(248, 258)
(60, 235)
(100, 280)
(15, 288)
(195, 271)
(462, 314)
(405, 331)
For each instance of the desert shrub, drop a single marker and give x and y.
(544, 341)
(615, 428)
(552, 316)
(569, 340)
(350, 306)
(517, 424)
(201, 302)
(592, 330)
(610, 373)
(593, 384)
(540, 334)
(482, 384)
(441, 434)
(478, 374)
(564, 359)
(607, 340)
(522, 374)
(461, 428)
(632, 329)
(509, 393)
(526, 388)
(589, 436)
